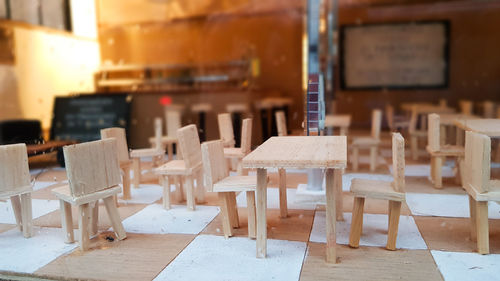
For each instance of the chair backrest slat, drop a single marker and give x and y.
(398, 162)
(477, 161)
(92, 166)
(413, 119)
(281, 123)
(433, 132)
(376, 123)
(226, 128)
(14, 169)
(214, 163)
(488, 109)
(121, 141)
(173, 121)
(158, 133)
(246, 135)
(389, 115)
(189, 143)
(466, 107)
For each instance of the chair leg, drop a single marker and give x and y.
(166, 193)
(459, 174)
(200, 188)
(26, 215)
(355, 155)
(114, 217)
(483, 243)
(436, 171)
(233, 210)
(251, 214)
(373, 158)
(472, 210)
(339, 201)
(94, 220)
(414, 147)
(190, 193)
(357, 222)
(67, 221)
(179, 189)
(282, 192)
(126, 183)
(224, 206)
(392, 233)
(84, 214)
(16, 206)
(136, 167)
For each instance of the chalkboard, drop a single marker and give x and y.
(81, 117)
(400, 55)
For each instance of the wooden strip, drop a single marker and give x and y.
(114, 217)
(26, 215)
(190, 193)
(282, 193)
(392, 233)
(261, 204)
(16, 207)
(166, 193)
(339, 204)
(483, 243)
(357, 222)
(83, 224)
(67, 221)
(331, 256)
(251, 214)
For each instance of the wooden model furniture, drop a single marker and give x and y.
(237, 153)
(488, 109)
(218, 180)
(415, 133)
(479, 186)
(281, 123)
(439, 152)
(201, 109)
(394, 192)
(93, 174)
(226, 129)
(173, 116)
(343, 121)
(395, 122)
(237, 111)
(372, 142)
(187, 169)
(300, 152)
(15, 183)
(466, 107)
(157, 153)
(123, 157)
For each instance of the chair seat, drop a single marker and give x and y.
(146, 152)
(64, 193)
(176, 167)
(365, 141)
(19, 191)
(376, 189)
(233, 152)
(236, 183)
(448, 150)
(164, 140)
(492, 195)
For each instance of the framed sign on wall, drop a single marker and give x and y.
(409, 55)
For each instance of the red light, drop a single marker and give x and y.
(166, 100)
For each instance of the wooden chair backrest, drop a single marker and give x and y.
(121, 141)
(226, 128)
(189, 143)
(433, 132)
(246, 135)
(14, 169)
(389, 115)
(173, 121)
(281, 123)
(488, 109)
(398, 162)
(413, 119)
(214, 163)
(477, 161)
(92, 166)
(158, 133)
(466, 107)
(376, 123)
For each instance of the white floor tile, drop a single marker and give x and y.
(273, 201)
(467, 266)
(145, 194)
(425, 171)
(39, 208)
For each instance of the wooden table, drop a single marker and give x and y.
(338, 120)
(489, 127)
(299, 152)
(426, 108)
(447, 120)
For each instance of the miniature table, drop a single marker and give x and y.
(426, 108)
(300, 152)
(447, 120)
(489, 127)
(338, 120)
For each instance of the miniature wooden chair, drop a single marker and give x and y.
(157, 153)
(173, 123)
(394, 192)
(372, 142)
(439, 152)
(226, 129)
(237, 111)
(187, 168)
(466, 107)
(478, 184)
(281, 123)
(123, 157)
(202, 109)
(238, 153)
(93, 174)
(395, 122)
(415, 133)
(218, 180)
(488, 109)
(15, 183)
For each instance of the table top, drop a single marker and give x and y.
(489, 127)
(337, 120)
(425, 108)
(449, 118)
(300, 152)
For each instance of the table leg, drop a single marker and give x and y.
(261, 205)
(331, 242)
(282, 189)
(136, 166)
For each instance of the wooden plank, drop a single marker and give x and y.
(261, 204)
(84, 214)
(489, 127)
(26, 215)
(282, 193)
(14, 170)
(331, 218)
(114, 217)
(67, 221)
(226, 129)
(251, 214)
(357, 222)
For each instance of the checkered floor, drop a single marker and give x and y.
(433, 240)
